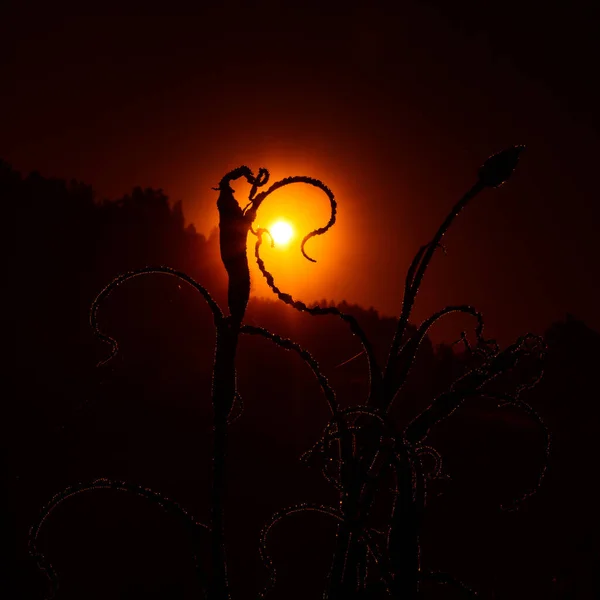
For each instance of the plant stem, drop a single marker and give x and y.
(411, 292)
(233, 233)
(403, 542)
(357, 505)
(219, 589)
(223, 397)
(341, 568)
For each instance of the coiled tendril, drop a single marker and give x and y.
(214, 307)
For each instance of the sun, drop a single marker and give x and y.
(282, 232)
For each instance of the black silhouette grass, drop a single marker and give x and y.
(361, 447)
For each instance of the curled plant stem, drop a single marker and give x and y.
(304, 355)
(348, 555)
(336, 430)
(347, 460)
(344, 433)
(276, 518)
(173, 508)
(408, 352)
(161, 270)
(259, 199)
(350, 484)
(348, 464)
(468, 385)
(375, 376)
(403, 537)
(508, 400)
(362, 459)
(437, 459)
(223, 396)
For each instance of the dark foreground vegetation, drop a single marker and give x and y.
(146, 417)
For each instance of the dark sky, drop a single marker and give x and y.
(393, 104)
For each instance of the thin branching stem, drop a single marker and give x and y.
(415, 278)
(347, 461)
(375, 376)
(338, 417)
(223, 397)
(192, 526)
(468, 385)
(408, 352)
(368, 444)
(306, 356)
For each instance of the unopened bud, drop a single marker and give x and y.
(498, 168)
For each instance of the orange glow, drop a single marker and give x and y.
(282, 232)
(305, 208)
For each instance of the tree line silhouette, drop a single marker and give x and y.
(146, 417)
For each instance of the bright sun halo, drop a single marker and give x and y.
(282, 232)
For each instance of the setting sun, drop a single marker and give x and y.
(282, 232)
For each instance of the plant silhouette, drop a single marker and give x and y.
(362, 451)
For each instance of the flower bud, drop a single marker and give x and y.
(499, 167)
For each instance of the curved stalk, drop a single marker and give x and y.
(469, 384)
(375, 375)
(259, 199)
(408, 352)
(161, 270)
(223, 395)
(278, 516)
(508, 400)
(403, 540)
(422, 259)
(304, 355)
(234, 226)
(495, 171)
(168, 505)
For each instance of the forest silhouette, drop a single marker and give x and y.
(146, 417)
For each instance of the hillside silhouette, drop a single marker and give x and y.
(145, 417)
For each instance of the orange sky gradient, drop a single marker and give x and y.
(394, 115)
